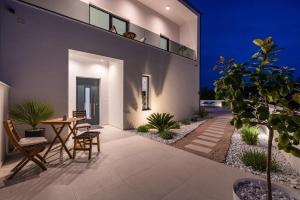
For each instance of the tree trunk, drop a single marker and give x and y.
(269, 163)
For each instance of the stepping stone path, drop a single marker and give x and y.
(209, 138)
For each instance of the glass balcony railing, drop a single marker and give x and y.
(153, 39)
(81, 11)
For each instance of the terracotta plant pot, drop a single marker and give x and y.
(242, 181)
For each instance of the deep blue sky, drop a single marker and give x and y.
(229, 26)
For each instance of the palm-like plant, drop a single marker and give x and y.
(161, 122)
(31, 112)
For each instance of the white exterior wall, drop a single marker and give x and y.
(42, 44)
(3, 116)
(116, 94)
(189, 34)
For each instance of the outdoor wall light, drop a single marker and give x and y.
(85, 1)
(168, 8)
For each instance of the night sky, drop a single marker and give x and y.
(229, 27)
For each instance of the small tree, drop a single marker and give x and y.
(274, 101)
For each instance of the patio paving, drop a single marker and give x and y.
(129, 167)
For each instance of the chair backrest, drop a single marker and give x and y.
(13, 136)
(79, 114)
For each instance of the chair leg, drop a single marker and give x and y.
(19, 164)
(74, 149)
(98, 143)
(41, 158)
(40, 164)
(90, 149)
(17, 169)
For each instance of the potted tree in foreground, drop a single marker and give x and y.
(32, 112)
(273, 102)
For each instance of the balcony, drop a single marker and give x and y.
(148, 26)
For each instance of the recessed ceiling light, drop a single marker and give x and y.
(168, 8)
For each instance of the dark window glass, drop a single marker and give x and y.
(164, 43)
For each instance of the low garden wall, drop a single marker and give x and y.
(3, 115)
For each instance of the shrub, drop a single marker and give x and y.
(186, 122)
(31, 112)
(258, 161)
(166, 135)
(250, 135)
(195, 119)
(176, 126)
(161, 121)
(143, 129)
(202, 112)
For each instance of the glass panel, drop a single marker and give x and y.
(145, 92)
(163, 43)
(99, 18)
(87, 102)
(120, 25)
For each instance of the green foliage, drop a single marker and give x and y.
(202, 112)
(258, 161)
(269, 85)
(31, 112)
(161, 122)
(250, 135)
(166, 135)
(207, 94)
(143, 129)
(176, 126)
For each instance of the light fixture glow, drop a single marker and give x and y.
(85, 1)
(168, 7)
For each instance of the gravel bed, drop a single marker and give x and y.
(287, 175)
(177, 133)
(258, 191)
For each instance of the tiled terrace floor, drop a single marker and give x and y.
(130, 167)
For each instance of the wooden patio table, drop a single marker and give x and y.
(58, 126)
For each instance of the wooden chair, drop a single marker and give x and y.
(29, 147)
(81, 114)
(87, 138)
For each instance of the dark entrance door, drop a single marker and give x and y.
(87, 98)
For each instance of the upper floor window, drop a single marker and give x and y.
(99, 18)
(164, 43)
(107, 21)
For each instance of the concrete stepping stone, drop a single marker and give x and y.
(218, 127)
(208, 138)
(212, 135)
(215, 130)
(205, 143)
(198, 148)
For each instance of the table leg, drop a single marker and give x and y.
(52, 143)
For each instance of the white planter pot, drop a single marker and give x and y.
(274, 186)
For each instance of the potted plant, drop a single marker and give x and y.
(273, 102)
(32, 112)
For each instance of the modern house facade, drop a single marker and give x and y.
(120, 60)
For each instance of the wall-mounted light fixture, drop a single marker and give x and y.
(86, 1)
(168, 8)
